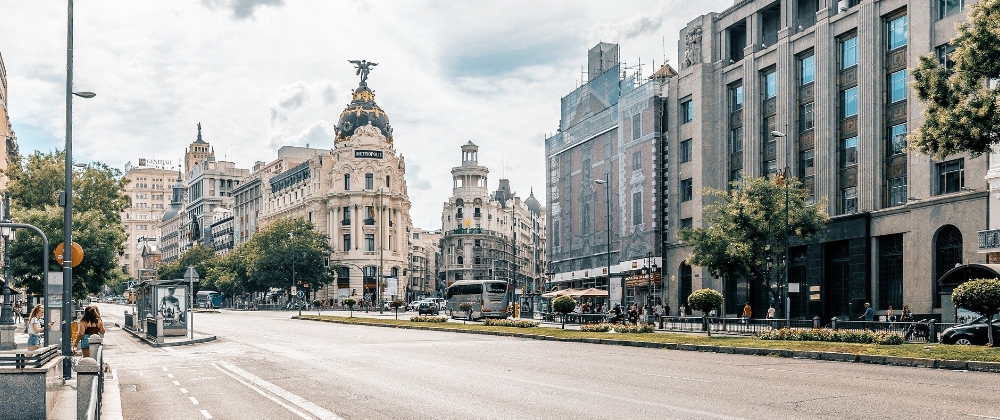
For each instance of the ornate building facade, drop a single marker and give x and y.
(149, 192)
(9, 153)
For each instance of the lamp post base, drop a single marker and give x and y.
(7, 337)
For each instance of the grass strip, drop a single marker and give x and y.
(927, 351)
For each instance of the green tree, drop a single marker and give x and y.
(272, 252)
(747, 225)
(99, 199)
(350, 302)
(564, 305)
(201, 257)
(962, 103)
(705, 300)
(982, 296)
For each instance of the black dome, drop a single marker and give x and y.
(360, 112)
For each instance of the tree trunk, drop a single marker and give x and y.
(989, 329)
(704, 321)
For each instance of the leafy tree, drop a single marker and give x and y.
(271, 252)
(396, 304)
(962, 103)
(99, 199)
(982, 296)
(705, 300)
(350, 302)
(564, 305)
(201, 257)
(747, 225)
(467, 308)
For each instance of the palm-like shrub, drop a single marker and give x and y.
(705, 300)
(564, 305)
(350, 302)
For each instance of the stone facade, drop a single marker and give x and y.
(222, 232)
(149, 191)
(832, 79)
(210, 194)
(425, 255)
(8, 140)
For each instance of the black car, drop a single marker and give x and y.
(427, 308)
(973, 332)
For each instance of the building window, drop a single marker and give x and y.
(849, 200)
(687, 190)
(849, 102)
(897, 33)
(686, 151)
(951, 176)
(943, 53)
(636, 161)
(347, 215)
(848, 152)
(736, 175)
(686, 223)
(848, 52)
(735, 98)
(637, 208)
(687, 111)
(806, 163)
(736, 140)
(807, 70)
(636, 126)
(769, 167)
(347, 182)
(347, 242)
(890, 284)
(897, 86)
(369, 181)
(896, 139)
(947, 254)
(369, 242)
(806, 117)
(770, 80)
(387, 181)
(896, 191)
(949, 7)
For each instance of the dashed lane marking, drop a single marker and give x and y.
(177, 383)
(193, 401)
(205, 413)
(184, 391)
(170, 375)
(165, 369)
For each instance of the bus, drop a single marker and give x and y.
(489, 298)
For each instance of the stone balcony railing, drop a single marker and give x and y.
(989, 240)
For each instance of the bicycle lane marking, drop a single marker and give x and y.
(259, 385)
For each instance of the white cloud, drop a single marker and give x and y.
(266, 73)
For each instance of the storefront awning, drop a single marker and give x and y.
(964, 273)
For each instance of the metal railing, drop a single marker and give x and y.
(912, 331)
(989, 239)
(34, 359)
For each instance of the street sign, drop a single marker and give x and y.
(75, 254)
(191, 274)
(300, 294)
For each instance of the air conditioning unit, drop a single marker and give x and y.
(843, 5)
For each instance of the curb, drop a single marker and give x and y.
(142, 338)
(917, 362)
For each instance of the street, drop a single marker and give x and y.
(266, 365)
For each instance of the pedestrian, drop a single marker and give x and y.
(770, 312)
(868, 316)
(682, 310)
(616, 314)
(17, 312)
(747, 312)
(658, 311)
(35, 327)
(888, 315)
(633, 314)
(906, 316)
(89, 325)
(666, 310)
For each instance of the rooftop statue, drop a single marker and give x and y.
(364, 67)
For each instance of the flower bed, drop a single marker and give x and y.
(519, 323)
(618, 328)
(435, 319)
(836, 336)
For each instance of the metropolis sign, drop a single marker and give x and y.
(368, 154)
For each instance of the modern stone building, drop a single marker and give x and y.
(149, 191)
(490, 236)
(609, 154)
(210, 186)
(8, 147)
(425, 255)
(821, 87)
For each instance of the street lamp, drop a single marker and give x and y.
(67, 299)
(290, 237)
(784, 181)
(6, 314)
(607, 198)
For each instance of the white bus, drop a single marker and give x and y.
(489, 298)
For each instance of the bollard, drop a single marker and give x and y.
(932, 332)
(661, 321)
(159, 329)
(816, 322)
(834, 322)
(86, 373)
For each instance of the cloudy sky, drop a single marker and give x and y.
(260, 74)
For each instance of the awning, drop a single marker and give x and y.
(964, 273)
(558, 293)
(591, 292)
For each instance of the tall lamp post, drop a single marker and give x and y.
(607, 198)
(784, 182)
(291, 236)
(67, 299)
(6, 314)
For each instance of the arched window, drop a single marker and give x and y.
(394, 272)
(947, 253)
(461, 260)
(685, 283)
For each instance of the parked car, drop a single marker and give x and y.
(973, 332)
(427, 308)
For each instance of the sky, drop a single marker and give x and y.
(261, 74)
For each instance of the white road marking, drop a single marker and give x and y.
(193, 401)
(794, 371)
(679, 377)
(184, 391)
(982, 416)
(254, 381)
(114, 374)
(177, 383)
(205, 413)
(165, 369)
(170, 375)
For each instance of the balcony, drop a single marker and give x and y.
(459, 215)
(369, 222)
(989, 241)
(345, 222)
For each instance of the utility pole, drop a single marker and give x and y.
(381, 242)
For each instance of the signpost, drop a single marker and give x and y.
(191, 275)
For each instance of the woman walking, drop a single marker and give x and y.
(36, 327)
(90, 324)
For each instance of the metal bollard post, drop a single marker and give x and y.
(816, 321)
(932, 332)
(834, 322)
(159, 329)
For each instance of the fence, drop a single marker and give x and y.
(912, 331)
(35, 359)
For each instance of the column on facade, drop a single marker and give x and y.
(868, 110)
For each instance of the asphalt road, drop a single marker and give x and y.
(268, 366)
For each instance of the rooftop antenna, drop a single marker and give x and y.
(503, 169)
(663, 44)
